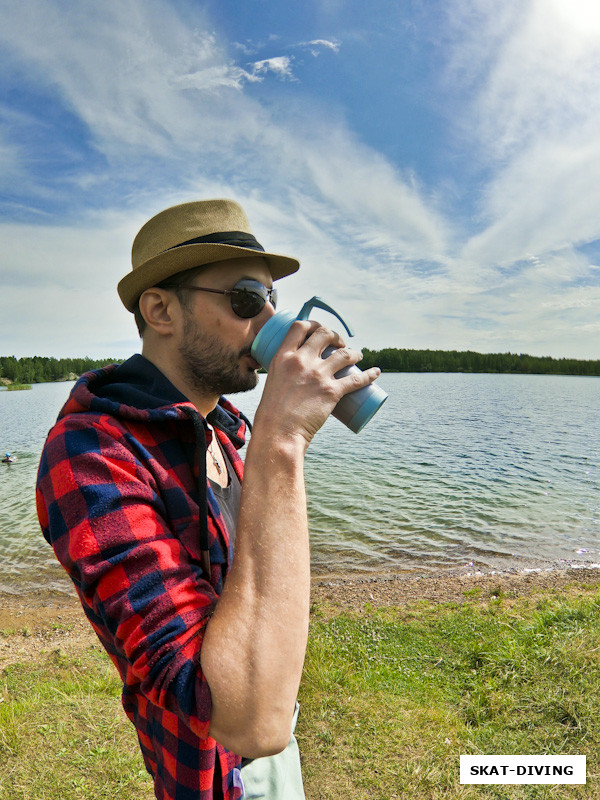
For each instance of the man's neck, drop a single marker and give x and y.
(168, 366)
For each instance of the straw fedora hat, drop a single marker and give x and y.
(192, 235)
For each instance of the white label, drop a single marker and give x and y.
(522, 769)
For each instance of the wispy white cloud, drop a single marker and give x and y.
(371, 205)
(161, 98)
(58, 287)
(280, 65)
(166, 90)
(317, 45)
(532, 112)
(163, 91)
(248, 48)
(10, 163)
(215, 78)
(543, 200)
(541, 305)
(544, 80)
(134, 73)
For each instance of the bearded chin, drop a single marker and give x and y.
(211, 368)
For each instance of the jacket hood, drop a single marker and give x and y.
(136, 390)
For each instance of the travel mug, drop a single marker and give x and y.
(354, 409)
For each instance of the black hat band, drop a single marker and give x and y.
(235, 238)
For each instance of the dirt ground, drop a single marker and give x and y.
(408, 588)
(36, 624)
(44, 622)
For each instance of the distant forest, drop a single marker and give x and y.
(393, 360)
(39, 369)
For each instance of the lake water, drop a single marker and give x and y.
(456, 472)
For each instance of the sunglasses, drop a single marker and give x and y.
(248, 297)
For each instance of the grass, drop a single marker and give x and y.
(63, 733)
(17, 387)
(389, 700)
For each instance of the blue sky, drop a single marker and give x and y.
(435, 166)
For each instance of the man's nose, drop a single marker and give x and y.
(266, 313)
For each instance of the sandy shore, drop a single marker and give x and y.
(43, 622)
(350, 592)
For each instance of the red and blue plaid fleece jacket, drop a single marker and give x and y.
(123, 498)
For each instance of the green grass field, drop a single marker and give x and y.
(389, 700)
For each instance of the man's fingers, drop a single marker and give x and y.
(357, 379)
(312, 335)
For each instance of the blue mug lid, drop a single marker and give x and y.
(273, 332)
(270, 337)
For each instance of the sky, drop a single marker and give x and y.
(435, 166)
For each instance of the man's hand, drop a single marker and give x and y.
(301, 390)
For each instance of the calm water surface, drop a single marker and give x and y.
(456, 472)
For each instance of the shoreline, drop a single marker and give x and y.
(389, 587)
(38, 623)
(400, 589)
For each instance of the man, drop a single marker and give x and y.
(197, 588)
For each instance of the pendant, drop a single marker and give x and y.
(215, 460)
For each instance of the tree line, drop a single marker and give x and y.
(40, 369)
(394, 360)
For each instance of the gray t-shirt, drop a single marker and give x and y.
(228, 498)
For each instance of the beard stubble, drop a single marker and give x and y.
(211, 367)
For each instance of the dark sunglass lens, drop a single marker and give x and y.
(247, 303)
(249, 297)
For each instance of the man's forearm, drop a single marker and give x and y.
(254, 646)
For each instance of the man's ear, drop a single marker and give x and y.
(159, 307)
